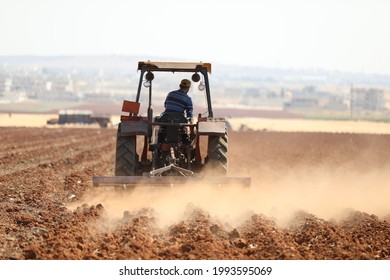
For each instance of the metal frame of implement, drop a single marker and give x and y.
(132, 181)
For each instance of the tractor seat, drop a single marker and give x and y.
(171, 117)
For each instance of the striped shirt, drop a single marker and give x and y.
(178, 101)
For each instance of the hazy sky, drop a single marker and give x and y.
(349, 35)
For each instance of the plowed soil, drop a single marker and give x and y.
(313, 196)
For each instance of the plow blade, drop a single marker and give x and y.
(167, 181)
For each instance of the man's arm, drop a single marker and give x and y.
(189, 109)
(165, 102)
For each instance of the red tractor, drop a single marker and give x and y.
(171, 152)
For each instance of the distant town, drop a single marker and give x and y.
(54, 83)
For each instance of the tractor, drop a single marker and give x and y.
(171, 151)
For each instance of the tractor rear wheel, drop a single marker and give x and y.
(126, 156)
(217, 161)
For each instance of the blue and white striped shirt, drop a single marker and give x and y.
(178, 101)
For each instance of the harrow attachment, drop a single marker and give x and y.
(168, 181)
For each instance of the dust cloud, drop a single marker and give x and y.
(319, 173)
(324, 192)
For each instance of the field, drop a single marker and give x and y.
(314, 195)
(263, 123)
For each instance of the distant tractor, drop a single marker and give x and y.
(71, 116)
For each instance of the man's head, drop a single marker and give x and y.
(185, 85)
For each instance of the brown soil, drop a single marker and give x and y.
(313, 196)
